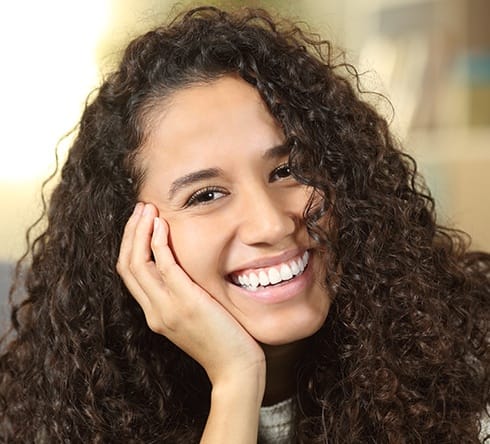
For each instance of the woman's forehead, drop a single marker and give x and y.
(203, 118)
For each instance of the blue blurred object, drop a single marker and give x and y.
(473, 68)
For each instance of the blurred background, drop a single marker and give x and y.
(431, 58)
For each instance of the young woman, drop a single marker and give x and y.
(237, 251)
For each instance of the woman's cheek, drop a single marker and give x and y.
(194, 251)
(182, 242)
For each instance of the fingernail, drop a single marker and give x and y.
(156, 225)
(147, 209)
(137, 209)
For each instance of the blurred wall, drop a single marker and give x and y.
(430, 57)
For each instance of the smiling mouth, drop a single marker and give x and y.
(271, 276)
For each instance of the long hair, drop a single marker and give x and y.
(403, 356)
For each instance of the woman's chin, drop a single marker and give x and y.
(288, 333)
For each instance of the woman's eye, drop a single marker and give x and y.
(281, 172)
(205, 196)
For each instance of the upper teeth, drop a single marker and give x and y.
(272, 275)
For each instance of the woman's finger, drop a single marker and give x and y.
(125, 256)
(170, 272)
(141, 252)
(127, 239)
(143, 280)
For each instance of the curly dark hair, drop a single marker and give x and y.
(403, 356)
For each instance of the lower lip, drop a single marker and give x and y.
(283, 291)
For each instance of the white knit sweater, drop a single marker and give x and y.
(276, 423)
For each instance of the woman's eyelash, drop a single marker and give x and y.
(204, 196)
(281, 172)
(209, 194)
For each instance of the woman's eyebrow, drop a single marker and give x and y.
(211, 173)
(277, 151)
(189, 179)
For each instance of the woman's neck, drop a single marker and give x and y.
(281, 370)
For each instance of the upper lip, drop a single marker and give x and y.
(270, 261)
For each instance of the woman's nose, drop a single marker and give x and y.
(266, 219)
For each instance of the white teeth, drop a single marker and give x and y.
(263, 279)
(254, 280)
(306, 256)
(286, 272)
(294, 268)
(301, 265)
(274, 276)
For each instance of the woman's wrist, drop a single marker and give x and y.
(235, 406)
(246, 382)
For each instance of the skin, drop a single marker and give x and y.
(179, 248)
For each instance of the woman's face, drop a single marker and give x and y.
(216, 169)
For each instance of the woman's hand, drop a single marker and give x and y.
(179, 309)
